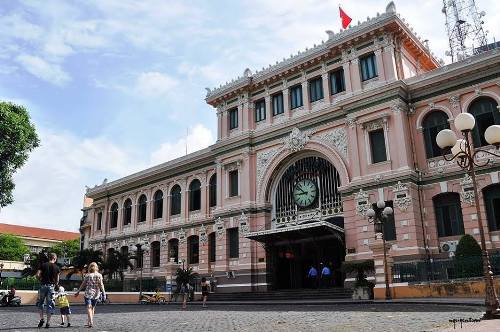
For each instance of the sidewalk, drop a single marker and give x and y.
(482, 326)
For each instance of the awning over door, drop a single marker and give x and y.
(297, 232)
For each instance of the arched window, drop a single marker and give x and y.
(155, 254)
(486, 113)
(193, 249)
(175, 200)
(173, 250)
(211, 247)
(448, 214)
(139, 257)
(114, 215)
(127, 212)
(158, 204)
(125, 256)
(142, 205)
(195, 195)
(491, 196)
(432, 124)
(212, 191)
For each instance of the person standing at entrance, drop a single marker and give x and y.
(205, 286)
(49, 278)
(312, 276)
(326, 274)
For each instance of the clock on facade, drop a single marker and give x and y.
(305, 193)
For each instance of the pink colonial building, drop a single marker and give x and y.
(304, 147)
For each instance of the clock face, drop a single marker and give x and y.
(305, 193)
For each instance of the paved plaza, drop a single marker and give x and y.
(337, 318)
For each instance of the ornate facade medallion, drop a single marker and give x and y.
(336, 138)
(402, 199)
(219, 228)
(296, 141)
(264, 158)
(163, 239)
(203, 234)
(362, 204)
(350, 121)
(467, 193)
(181, 235)
(244, 226)
(455, 102)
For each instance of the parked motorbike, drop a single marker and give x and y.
(157, 298)
(4, 300)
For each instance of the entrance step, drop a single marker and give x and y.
(292, 294)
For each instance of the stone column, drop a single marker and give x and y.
(326, 87)
(347, 76)
(352, 135)
(400, 131)
(286, 100)
(219, 190)
(166, 203)
(224, 124)
(305, 94)
(243, 124)
(389, 63)
(269, 113)
(203, 191)
(380, 64)
(355, 75)
(219, 124)
(184, 201)
(377, 247)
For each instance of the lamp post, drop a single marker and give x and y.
(143, 248)
(1, 270)
(378, 216)
(465, 154)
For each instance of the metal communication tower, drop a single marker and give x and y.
(464, 24)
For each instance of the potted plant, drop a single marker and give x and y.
(363, 289)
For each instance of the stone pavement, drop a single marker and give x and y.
(335, 318)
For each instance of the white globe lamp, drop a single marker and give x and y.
(388, 211)
(381, 204)
(465, 122)
(370, 213)
(446, 138)
(492, 135)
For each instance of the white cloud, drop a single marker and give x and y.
(52, 73)
(154, 84)
(50, 187)
(198, 137)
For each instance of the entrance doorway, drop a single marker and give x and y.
(290, 262)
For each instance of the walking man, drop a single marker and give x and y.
(312, 275)
(48, 274)
(325, 276)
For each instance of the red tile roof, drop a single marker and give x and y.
(39, 233)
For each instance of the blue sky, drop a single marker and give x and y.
(113, 85)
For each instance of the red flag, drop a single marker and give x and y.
(345, 18)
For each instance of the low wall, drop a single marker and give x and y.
(464, 288)
(29, 297)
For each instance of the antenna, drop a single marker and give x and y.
(464, 24)
(187, 134)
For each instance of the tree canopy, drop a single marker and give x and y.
(12, 248)
(68, 248)
(17, 138)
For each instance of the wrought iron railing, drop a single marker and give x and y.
(443, 270)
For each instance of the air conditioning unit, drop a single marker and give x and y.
(448, 246)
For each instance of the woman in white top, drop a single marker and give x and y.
(93, 285)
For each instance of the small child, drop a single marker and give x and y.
(63, 305)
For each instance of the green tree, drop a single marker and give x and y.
(468, 247)
(468, 262)
(82, 259)
(117, 263)
(17, 138)
(68, 248)
(36, 260)
(12, 248)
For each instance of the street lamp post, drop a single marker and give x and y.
(378, 216)
(144, 248)
(464, 153)
(1, 270)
